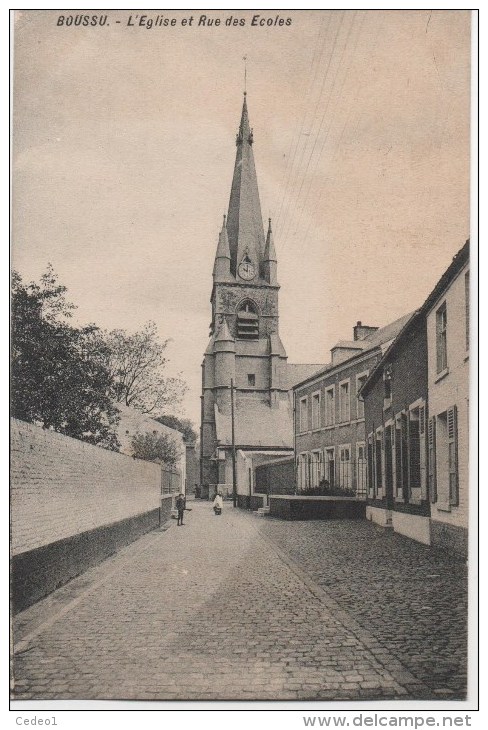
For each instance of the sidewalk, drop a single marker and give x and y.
(221, 608)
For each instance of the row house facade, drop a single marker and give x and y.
(329, 426)
(416, 402)
(395, 402)
(448, 378)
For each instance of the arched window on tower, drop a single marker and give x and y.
(247, 321)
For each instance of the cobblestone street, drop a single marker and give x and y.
(241, 607)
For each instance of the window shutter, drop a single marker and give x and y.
(453, 456)
(370, 466)
(422, 420)
(393, 457)
(383, 469)
(405, 458)
(432, 461)
(374, 465)
(423, 480)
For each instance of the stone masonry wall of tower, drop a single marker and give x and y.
(244, 344)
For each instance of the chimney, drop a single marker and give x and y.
(362, 331)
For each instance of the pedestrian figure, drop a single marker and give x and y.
(218, 503)
(180, 506)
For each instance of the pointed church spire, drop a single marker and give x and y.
(223, 251)
(221, 270)
(269, 259)
(244, 221)
(269, 250)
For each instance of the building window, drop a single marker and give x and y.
(329, 471)
(441, 337)
(466, 296)
(344, 401)
(445, 459)
(401, 456)
(251, 380)
(360, 380)
(371, 475)
(247, 322)
(414, 453)
(315, 411)
(302, 475)
(330, 406)
(388, 456)
(315, 468)
(379, 459)
(361, 469)
(303, 416)
(387, 378)
(416, 446)
(345, 467)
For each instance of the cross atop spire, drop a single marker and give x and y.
(245, 133)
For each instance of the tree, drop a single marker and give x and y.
(155, 447)
(136, 363)
(184, 425)
(54, 380)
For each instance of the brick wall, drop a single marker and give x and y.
(73, 505)
(62, 487)
(316, 508)
(276, 478)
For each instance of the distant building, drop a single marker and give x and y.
(133, 422)
(416, 404)
(329, 418)
(192, 466)
(245, 346)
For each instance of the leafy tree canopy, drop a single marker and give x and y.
(155, 447)
(136, 363)
(55, 381)
(184, 425)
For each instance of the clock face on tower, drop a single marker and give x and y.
(246, 269)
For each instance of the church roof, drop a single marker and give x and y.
(276, 346)
(244, 221)
(210, 346)
(223, 334)
(257, 424)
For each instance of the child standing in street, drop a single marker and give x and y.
(180, 506)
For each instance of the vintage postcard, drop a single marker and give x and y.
(240, 357)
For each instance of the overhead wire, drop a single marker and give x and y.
(317, 136)
(355, 123)
(296, 137)
(332, 119)
(293, 177)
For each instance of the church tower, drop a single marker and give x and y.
(244, 346)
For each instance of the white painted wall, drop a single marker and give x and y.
(452, 389)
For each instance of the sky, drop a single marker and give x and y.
(124, 147)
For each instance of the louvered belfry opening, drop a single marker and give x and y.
(247, 322)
